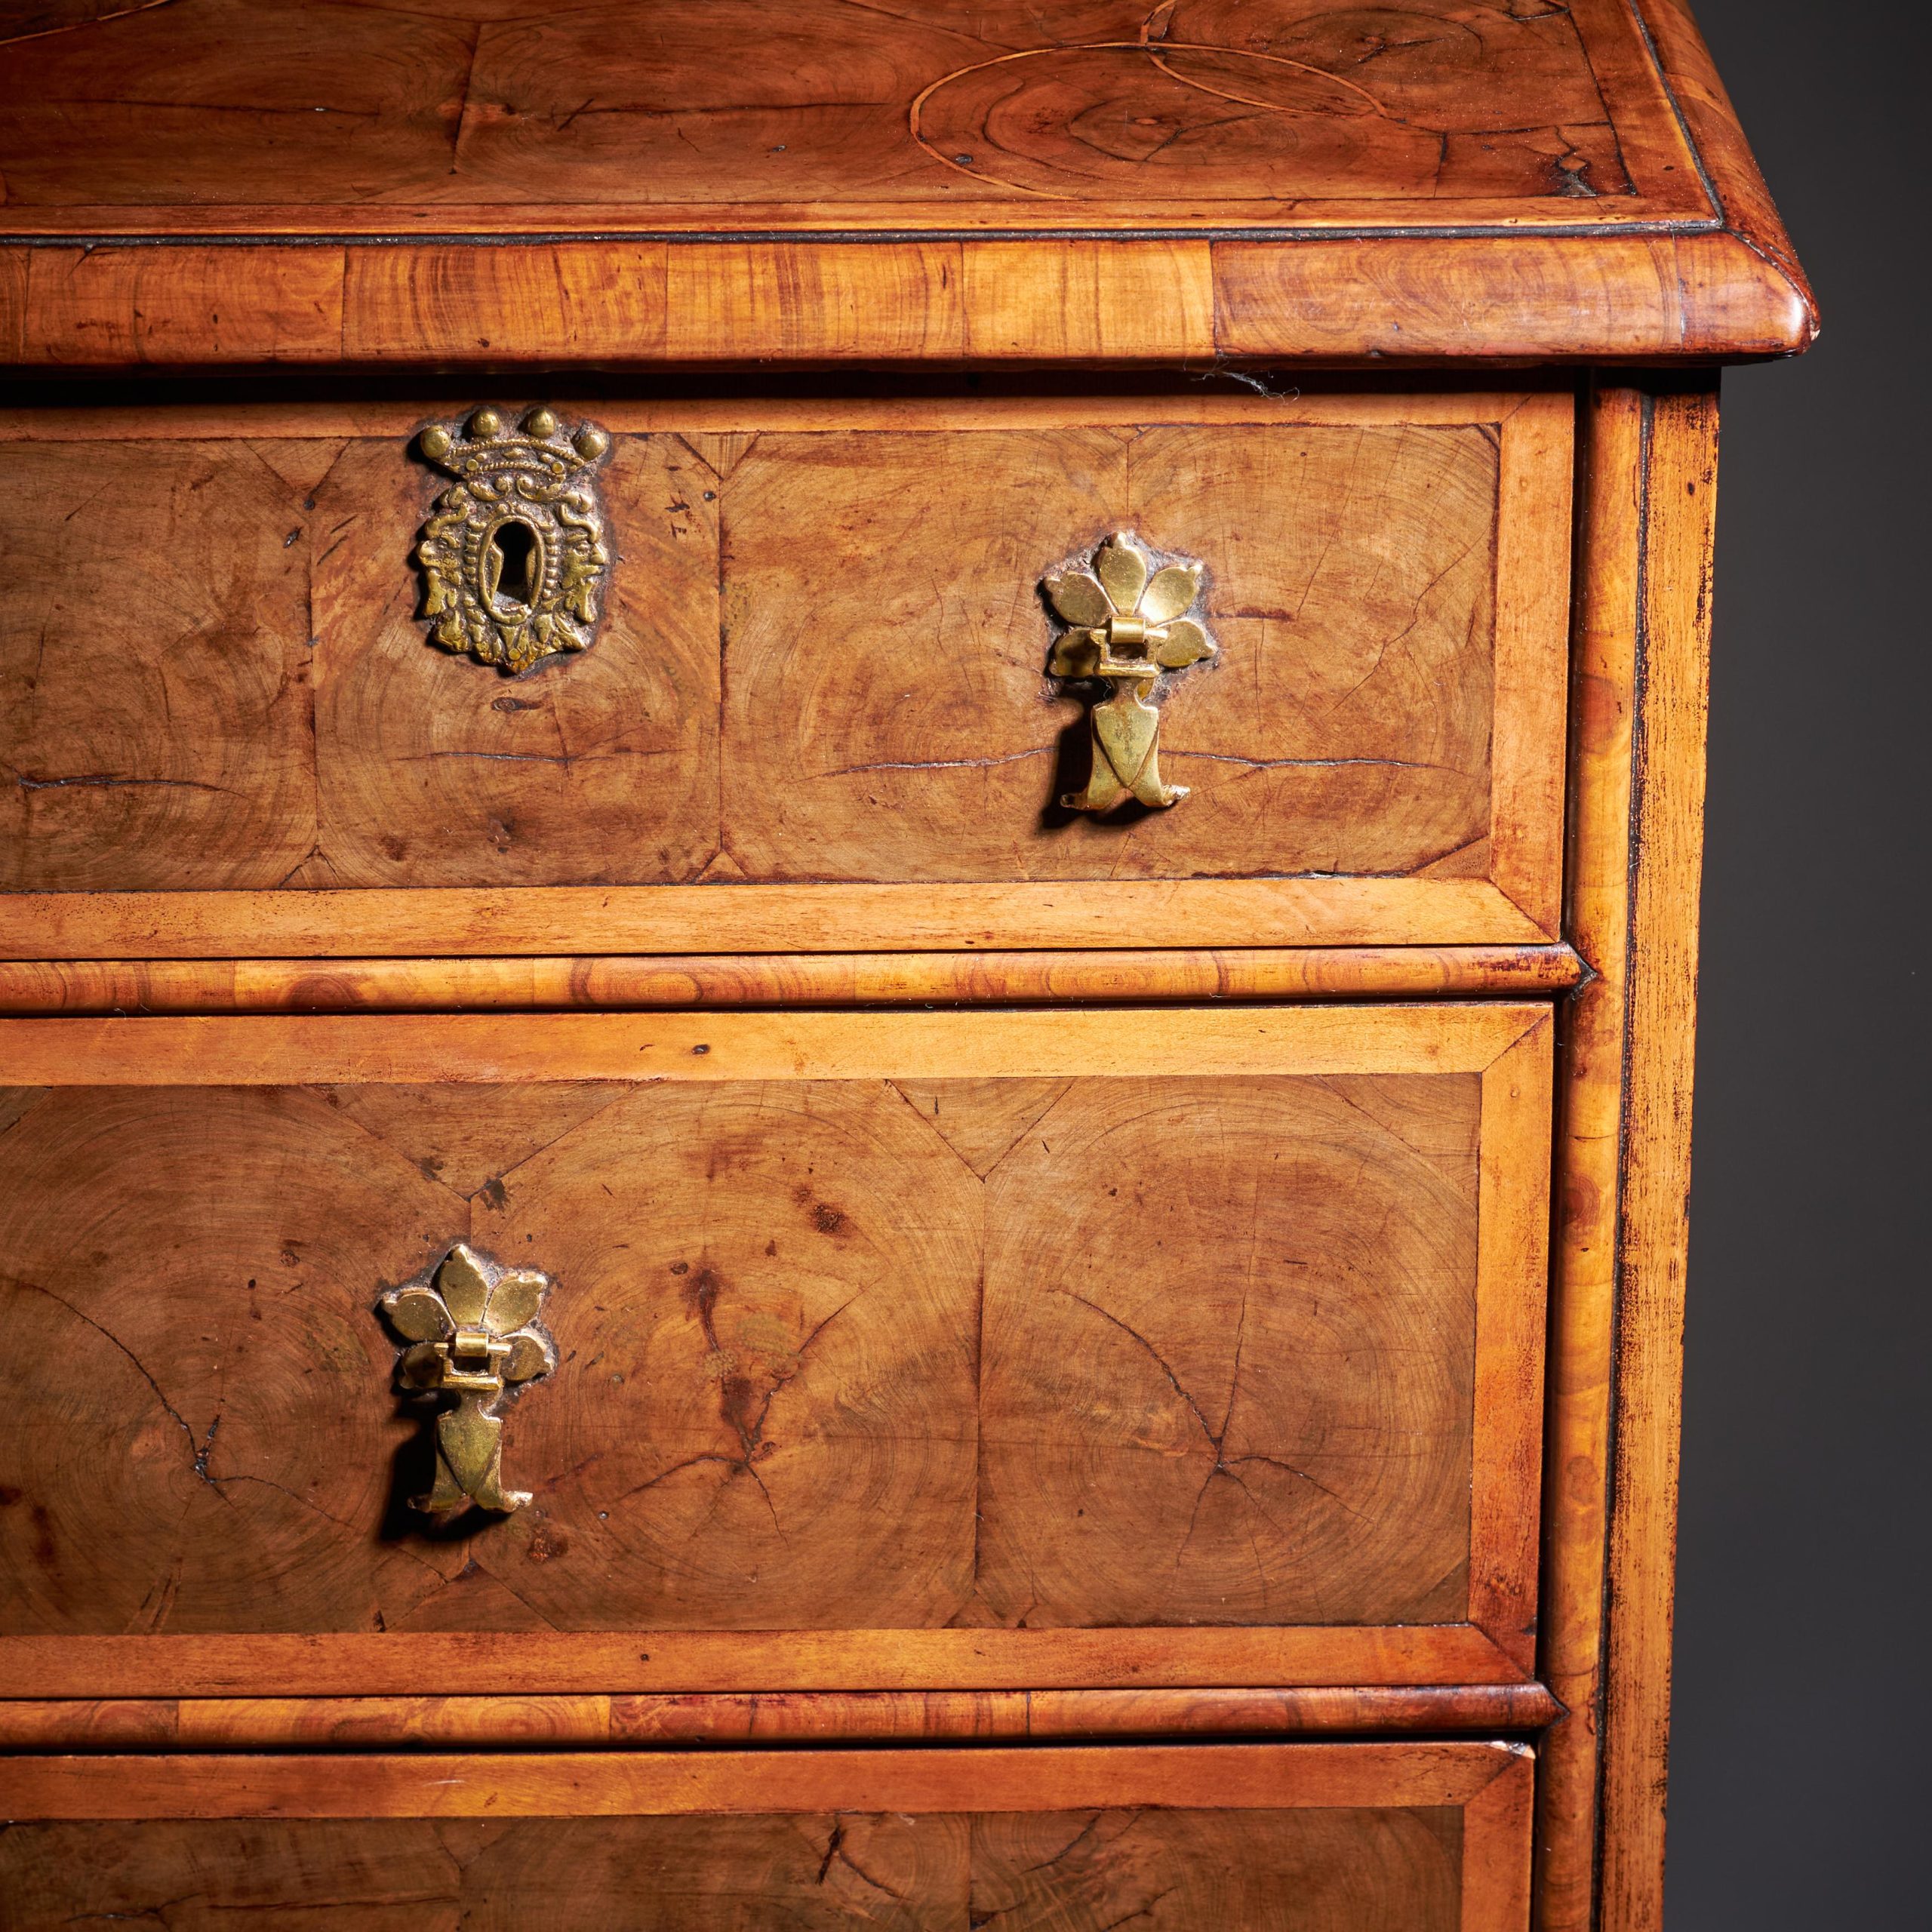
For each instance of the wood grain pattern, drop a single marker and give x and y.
(216, 678)
(1537, 455)
(154, 673)
(434, 770)
(154, 307)
(1133, 914)
(1668, 778)
(1388, 598)
(1345, 1871)
(1345, 729)
(411, 1049)
(1144, 303)
(403, 985)
(1138, 1440)
(832, 116)
(1513, 1244)
(1305, 1838)
(746, 1434)
(282, 1723)
(1622, 299)
(1589, 1150)
(1320, 301)
(534, 1663)
(1030, 183)
(752, 1438)
(639, 1784)
(25, 20)
(474, 304)
(1641, 661)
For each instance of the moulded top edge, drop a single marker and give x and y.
(1109, 182)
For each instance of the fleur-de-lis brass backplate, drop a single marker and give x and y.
(473, 1337)
(1127, 624)
(513, 554)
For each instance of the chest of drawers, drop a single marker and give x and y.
(847, 931)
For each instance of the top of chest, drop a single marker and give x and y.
(668, 181)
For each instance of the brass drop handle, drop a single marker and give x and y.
(473, 1338)
(1127, 624)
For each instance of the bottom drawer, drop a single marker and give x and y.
(1304, 1837)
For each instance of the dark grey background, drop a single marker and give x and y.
(1798, 1786)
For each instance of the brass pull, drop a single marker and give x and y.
(473, 1335)
(1127, 623)
(513, 556)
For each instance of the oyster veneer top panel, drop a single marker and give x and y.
(1449, 179)
(1195, 113)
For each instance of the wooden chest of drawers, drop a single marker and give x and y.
(847, 931)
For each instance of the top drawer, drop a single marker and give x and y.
(820, 707)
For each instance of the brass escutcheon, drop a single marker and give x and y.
(513, 556)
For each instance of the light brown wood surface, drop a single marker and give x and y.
(219, 680)
(403, 985)
(541, 1662)
(416, 1049)
(852, 1352)
(1308, 1838)
(1316, 301)
(1233, 1777)
(1661, 1018)
(1637, 712)
(516, 921)
(1122, 181)
(1589, 1151)
(559, 1721)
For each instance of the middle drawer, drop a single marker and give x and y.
(970, 1349)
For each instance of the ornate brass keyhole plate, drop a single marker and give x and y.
(1126, 625)
(473, 1338)
(514, 555)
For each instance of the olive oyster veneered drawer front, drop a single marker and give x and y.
(959, 661)
(587, 1352)
(1313, 1838)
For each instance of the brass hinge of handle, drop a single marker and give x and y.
(473, 1333)
(1127, 623)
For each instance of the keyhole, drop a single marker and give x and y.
(513, 567)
